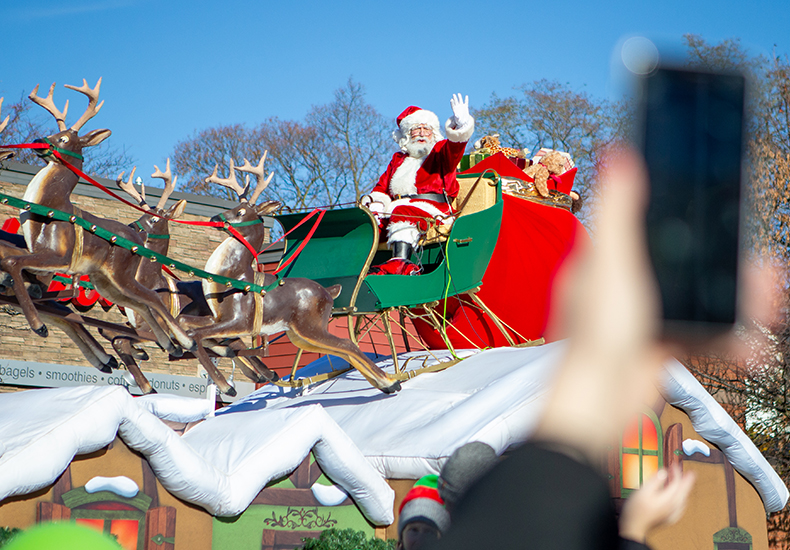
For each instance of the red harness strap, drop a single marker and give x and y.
(227, 227)
(305, 241)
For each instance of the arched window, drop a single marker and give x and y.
(124, 518)
(640, 451)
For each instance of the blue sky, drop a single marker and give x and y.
(170, 68)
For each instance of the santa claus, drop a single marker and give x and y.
(420, 181)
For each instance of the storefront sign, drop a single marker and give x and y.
(48, 375)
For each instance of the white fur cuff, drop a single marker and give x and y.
(462, 134)
(404, 232)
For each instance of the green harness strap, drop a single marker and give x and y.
(59, 215)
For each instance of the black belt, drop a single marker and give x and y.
(436, 197)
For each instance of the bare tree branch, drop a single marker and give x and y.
(756, 392)
(549, 114)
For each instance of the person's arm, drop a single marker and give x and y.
(607, 303)
(628, 544)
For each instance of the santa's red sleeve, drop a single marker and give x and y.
(454, 148)
(452, 154)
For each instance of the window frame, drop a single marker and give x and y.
(640, 452)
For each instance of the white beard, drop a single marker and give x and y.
(405, 177)
(419, 149)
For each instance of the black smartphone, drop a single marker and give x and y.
(690, 131)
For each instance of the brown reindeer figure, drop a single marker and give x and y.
(301, 307)
(56, 246)
(83, 339)
(155, 228)
(175, 295)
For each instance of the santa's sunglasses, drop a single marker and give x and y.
(421, 130)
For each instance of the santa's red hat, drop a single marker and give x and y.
(414, 116)
(406, 112)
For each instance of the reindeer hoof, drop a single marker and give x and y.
(151, 391)
(177, 351)
(112, 364)
(231, 391)
(106, 369)
(394, 388)
(270, 377)
(42, 331)
(139, 353)
(35, 292)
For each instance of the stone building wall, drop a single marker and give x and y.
(190, 244)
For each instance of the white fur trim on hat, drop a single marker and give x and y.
(423, 116)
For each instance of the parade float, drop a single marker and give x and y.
(336, 443)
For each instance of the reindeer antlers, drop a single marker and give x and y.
(258, 172)
(170, 185)
(230, 182)
(5, 122)
(131, 191)
(49, 104)
(93, 97)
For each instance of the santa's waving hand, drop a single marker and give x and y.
(460, 106)
(420, 181)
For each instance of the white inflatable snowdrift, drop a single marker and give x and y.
(359, 436)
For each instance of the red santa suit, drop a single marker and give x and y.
(413, 190)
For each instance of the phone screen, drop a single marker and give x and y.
(691, 138)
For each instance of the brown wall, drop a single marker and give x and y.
(707, 511)
(193, 524)
(192, 245)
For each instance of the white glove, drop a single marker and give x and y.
(460, 105)
(376, 207)
(373, 203)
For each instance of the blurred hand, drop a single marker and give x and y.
(660, 501)
(607, 304)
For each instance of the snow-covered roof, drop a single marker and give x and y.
(712, 422)
(359, 435)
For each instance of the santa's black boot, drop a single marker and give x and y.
(401, 250)
(399, 264)
(401, 254)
